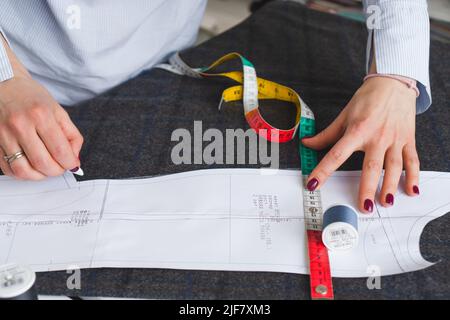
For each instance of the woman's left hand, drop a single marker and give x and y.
(379, 120)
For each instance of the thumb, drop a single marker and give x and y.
(328, 136)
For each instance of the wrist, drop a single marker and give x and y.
(408, 82)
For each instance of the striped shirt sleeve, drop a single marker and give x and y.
(399, 37)
(6, 71)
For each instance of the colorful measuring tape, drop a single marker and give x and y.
(319, 264)
(250, 90)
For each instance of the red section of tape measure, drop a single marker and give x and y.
(263, 128)
(319, 264)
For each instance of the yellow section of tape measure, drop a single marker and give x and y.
(257, 88)
(266, 90)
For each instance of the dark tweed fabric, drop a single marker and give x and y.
(128, 132)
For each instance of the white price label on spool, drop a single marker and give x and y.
(340, 236)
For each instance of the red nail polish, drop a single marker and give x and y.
(368, 205)
(75, 169)
(312, 184)
(416, 190)
(390, 199)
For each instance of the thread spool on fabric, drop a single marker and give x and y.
(340, 228)
(17, 283)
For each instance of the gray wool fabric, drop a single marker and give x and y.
(128, 134)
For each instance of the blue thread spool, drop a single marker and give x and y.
(17, 283)
(340, 228)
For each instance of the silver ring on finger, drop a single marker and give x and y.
(11, 158)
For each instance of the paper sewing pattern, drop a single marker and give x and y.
(220, 219)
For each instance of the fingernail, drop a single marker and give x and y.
(390, 199)
(368, 205)
(416, 190)
(312, 184)
(75, 169)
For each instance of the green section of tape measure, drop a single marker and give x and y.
(247, 63)
(308, 156)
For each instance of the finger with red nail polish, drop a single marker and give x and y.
(368, 205)
(312, 184)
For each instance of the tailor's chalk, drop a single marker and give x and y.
(340, 228)
(17, 283)
(78, 171)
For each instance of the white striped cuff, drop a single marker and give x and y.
(402, 43)
(6, 71)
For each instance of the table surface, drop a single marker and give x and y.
(127, 134)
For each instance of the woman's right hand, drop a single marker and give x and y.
(32, 121)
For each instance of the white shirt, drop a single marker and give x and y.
(80, 48)
(400, 41)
